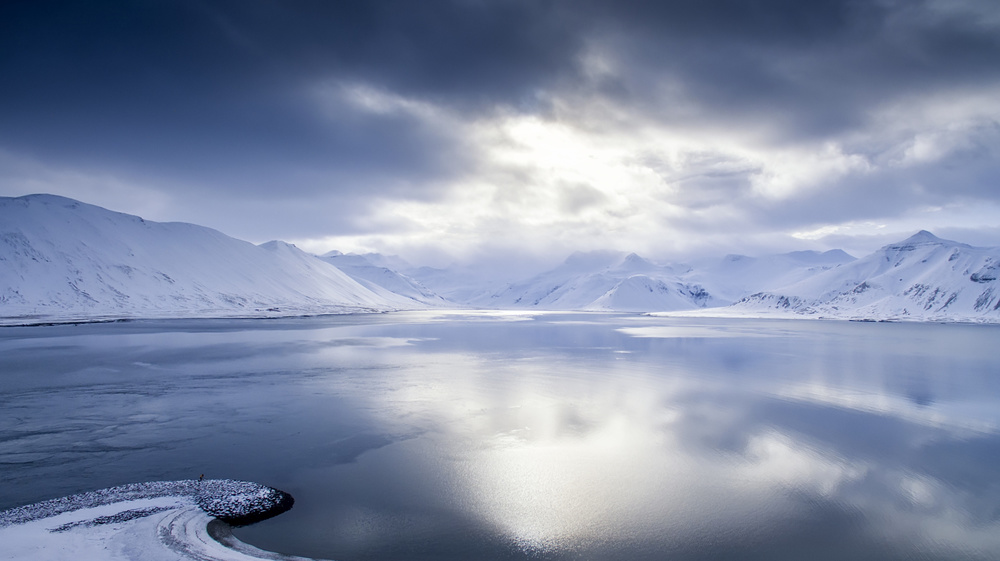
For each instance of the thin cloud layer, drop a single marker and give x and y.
(466, 128)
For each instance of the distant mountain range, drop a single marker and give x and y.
(63, 260)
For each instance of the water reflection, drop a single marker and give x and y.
(512, 436)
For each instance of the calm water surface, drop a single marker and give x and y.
(479, 436)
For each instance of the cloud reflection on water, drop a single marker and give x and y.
(563, 456)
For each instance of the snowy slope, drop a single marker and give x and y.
(382, 279)
(920, 278)
(640, 293)
(602, 281)
(62, 259)
(737, 276)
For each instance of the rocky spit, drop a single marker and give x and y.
(160, 520)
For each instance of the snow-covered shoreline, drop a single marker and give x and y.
(722, 312)
(729, 312)
(80, 319)
(161, 520)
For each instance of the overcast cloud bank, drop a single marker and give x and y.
(465, 130)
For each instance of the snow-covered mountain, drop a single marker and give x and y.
(737, 276)
(602, 281)
(61, 259)
(921, 278)
(369, 271)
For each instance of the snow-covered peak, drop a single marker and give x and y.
(635, 264)
(45, 199)
(34, 208)
(278, 245)
(921, 238)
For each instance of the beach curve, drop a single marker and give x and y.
(154, 521)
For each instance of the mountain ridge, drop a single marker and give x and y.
(65, 260)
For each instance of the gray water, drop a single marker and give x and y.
(480, 436)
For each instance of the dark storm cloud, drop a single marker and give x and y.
(163, 88)
(223, 70)
(213, 91)
(221, 75)
(808, 69)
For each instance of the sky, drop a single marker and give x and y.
(514, 132)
